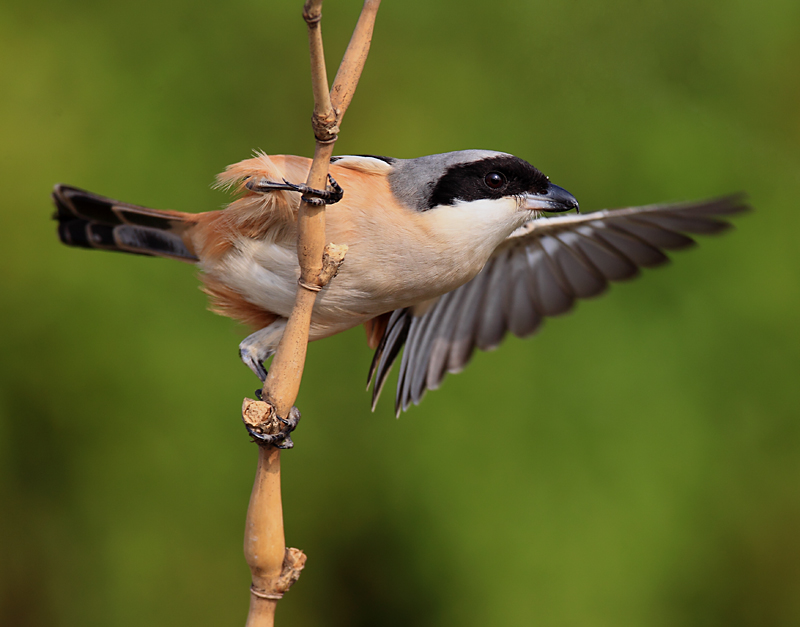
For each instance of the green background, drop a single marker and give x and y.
(637, 463)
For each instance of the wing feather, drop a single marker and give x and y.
(463, 342)
(441, 341)
(582, 277)
(549, 293)
(388, 350)
(638, 251)
(491, 323)
(436, 323)
(612, 264)
(654, 235)
(523, 318)
(540, 270)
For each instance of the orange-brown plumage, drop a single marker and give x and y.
(375, 329)
(227, 302)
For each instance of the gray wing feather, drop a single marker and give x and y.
(611, 263)
(582, 278)
(638, 251)
(441, 341)
(433, 326)
(550, 295)
(463, 342)
(523, 318)
(540, 270)
(409, 362)
(655, 235)
(387, 351)
(491, 321)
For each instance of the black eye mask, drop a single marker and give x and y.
(492, 178)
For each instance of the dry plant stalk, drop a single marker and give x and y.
(275, 568)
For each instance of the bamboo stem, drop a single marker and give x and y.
(274, 568)
(344, 85)
(263, 538)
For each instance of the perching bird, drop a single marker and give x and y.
(447, 252)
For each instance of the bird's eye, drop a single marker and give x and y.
(495, 180)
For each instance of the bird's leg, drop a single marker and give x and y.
(332, 193)
(257, 347)
(266, 428)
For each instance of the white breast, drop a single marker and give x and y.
(264, 273)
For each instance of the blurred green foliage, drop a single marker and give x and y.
(636, 464)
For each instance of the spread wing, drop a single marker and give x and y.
(538, 271)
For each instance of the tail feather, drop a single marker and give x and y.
(87, 220)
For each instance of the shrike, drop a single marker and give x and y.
(447, 252)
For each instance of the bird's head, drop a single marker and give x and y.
(477, 189)
(476, 179)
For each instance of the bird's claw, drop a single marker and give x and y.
(280, 439)
(332, 193)
(253, 360)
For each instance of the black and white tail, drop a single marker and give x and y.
(87, 220)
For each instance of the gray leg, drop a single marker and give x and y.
(256, 348)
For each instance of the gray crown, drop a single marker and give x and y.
(413, 180)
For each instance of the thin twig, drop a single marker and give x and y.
(274, 568)
(285, 373)
(344, 85)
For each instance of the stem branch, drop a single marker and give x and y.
(275, 568)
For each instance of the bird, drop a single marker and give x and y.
(447, 252)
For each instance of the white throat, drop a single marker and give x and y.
(479, 225)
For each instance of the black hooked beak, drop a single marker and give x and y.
(555, 200)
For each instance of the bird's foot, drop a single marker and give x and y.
(254, 357)
(265, 426)
(332, 193)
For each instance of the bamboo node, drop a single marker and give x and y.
(270, 596)
(309, 286)
(260, 416)
(310, 17)
(294, 561)
(332, 260)
(266, 427)
(326, 129)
